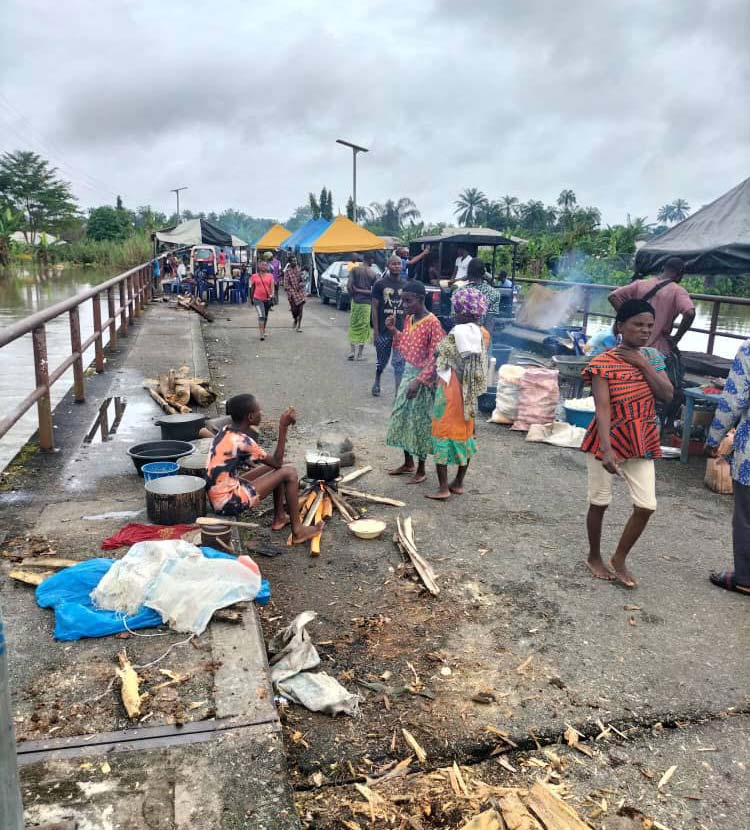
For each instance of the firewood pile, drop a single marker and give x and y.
(174, 391)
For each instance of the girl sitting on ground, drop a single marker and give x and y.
(462, 359)
(623, 438)
(240, 473)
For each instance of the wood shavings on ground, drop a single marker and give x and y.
(450, 798)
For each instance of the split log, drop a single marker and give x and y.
(551, 811)
(355, 474)
(29, 577)
(53, 562)
(421, 565)
(200, 394)
(343, 508)
(515, 815)
(167, 407)
(319, 513)
(129, 681)
(198, 307)
(311, 513)
(358, 494)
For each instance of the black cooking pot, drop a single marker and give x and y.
(322, 467)
(158, 451)
(181, 427)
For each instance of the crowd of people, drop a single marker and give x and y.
(439, 376)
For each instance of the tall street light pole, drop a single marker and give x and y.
(355, 149)
(176, 191)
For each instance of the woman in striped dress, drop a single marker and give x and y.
(623, 438)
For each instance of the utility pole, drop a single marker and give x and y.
(355, 149)
(176, 191)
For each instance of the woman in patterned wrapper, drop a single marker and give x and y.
(734, 410)
(623, 438)
(240, 473)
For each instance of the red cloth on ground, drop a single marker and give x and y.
(132, 533)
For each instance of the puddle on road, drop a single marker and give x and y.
(107, 421)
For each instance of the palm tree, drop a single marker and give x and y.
(567, 200)
(666, 214)
(467, 205)
(680, 210)
(407, 210)
(492, 215)
(534, 216)
(510, 206)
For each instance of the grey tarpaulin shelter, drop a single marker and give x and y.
(714, 240)
(198, 232)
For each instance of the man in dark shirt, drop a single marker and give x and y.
(386, 302)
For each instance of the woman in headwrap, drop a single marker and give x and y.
(462, 378)
(411, 417)
(623, 438)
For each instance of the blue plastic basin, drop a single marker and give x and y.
(159, 469)
(578, 418)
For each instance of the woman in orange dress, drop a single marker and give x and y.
(462, 378)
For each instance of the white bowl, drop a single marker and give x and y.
(367, 528)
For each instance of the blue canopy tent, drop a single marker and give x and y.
(318, 228)
(290, 244)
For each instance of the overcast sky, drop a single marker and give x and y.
(629, 103)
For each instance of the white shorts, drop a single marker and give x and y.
(639, 475)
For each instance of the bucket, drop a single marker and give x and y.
(218, 537)
(159, 469)
(501, 354)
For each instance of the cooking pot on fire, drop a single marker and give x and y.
(322, 467)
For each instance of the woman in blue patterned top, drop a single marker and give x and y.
(734, 410)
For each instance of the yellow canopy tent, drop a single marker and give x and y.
(272, 238)
(343, 236)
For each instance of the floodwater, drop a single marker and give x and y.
(735, 319)
(23, 292)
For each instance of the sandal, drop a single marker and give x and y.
(728, 581)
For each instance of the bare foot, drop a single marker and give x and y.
(599, 569)
(280, 524)
(441, 495)
(402, 470)
(307, 533)
(623, 575)
(417, 479)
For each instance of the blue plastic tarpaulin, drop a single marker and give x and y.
(290, 243)
(68, 593)
(318, 228)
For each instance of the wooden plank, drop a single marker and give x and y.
(554, 813)
(358, 494)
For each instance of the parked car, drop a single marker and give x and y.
(332, 284)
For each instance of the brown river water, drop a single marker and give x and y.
(22, 292)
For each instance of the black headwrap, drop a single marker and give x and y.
(632, 307)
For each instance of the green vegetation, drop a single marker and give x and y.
(120, 254)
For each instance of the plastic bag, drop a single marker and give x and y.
(558, 433)
(292, 649)
(538, 398)
(188, 590)
(319, 692)
(124, 587)
(508, 389)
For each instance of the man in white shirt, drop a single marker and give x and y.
(181, 271)
(462, 264)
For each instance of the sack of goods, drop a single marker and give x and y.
(538, 398)
(718, 470)
(508, 390)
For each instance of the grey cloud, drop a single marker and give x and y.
(629, 103)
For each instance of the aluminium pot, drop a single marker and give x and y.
(322, 467)
(181, 427)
